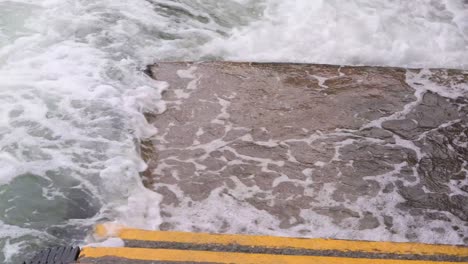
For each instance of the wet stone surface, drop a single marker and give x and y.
(312, 150)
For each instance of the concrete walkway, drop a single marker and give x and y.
(349, 153)
(366, 153)
(178, 247)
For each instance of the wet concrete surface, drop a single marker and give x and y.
(312, 150)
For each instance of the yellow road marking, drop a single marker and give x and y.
(106, 230)
(228, 257)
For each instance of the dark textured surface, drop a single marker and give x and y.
(56, 255)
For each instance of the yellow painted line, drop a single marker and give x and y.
(228, 257)
(106, 230)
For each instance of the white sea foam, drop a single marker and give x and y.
(72, 98)
(418, 33)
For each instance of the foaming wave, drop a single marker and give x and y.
(420, 33)
(72, 99)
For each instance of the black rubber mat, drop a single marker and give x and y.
(56, 255)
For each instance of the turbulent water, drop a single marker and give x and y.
(72, 88)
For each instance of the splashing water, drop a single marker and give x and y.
(361, 32)
(73, 94)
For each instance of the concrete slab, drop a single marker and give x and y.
(312, 151)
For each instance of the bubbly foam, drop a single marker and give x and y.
(422, 33)
(72, 98)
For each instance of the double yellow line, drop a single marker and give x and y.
(216, 248)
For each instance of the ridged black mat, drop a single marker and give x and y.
(56, 255)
